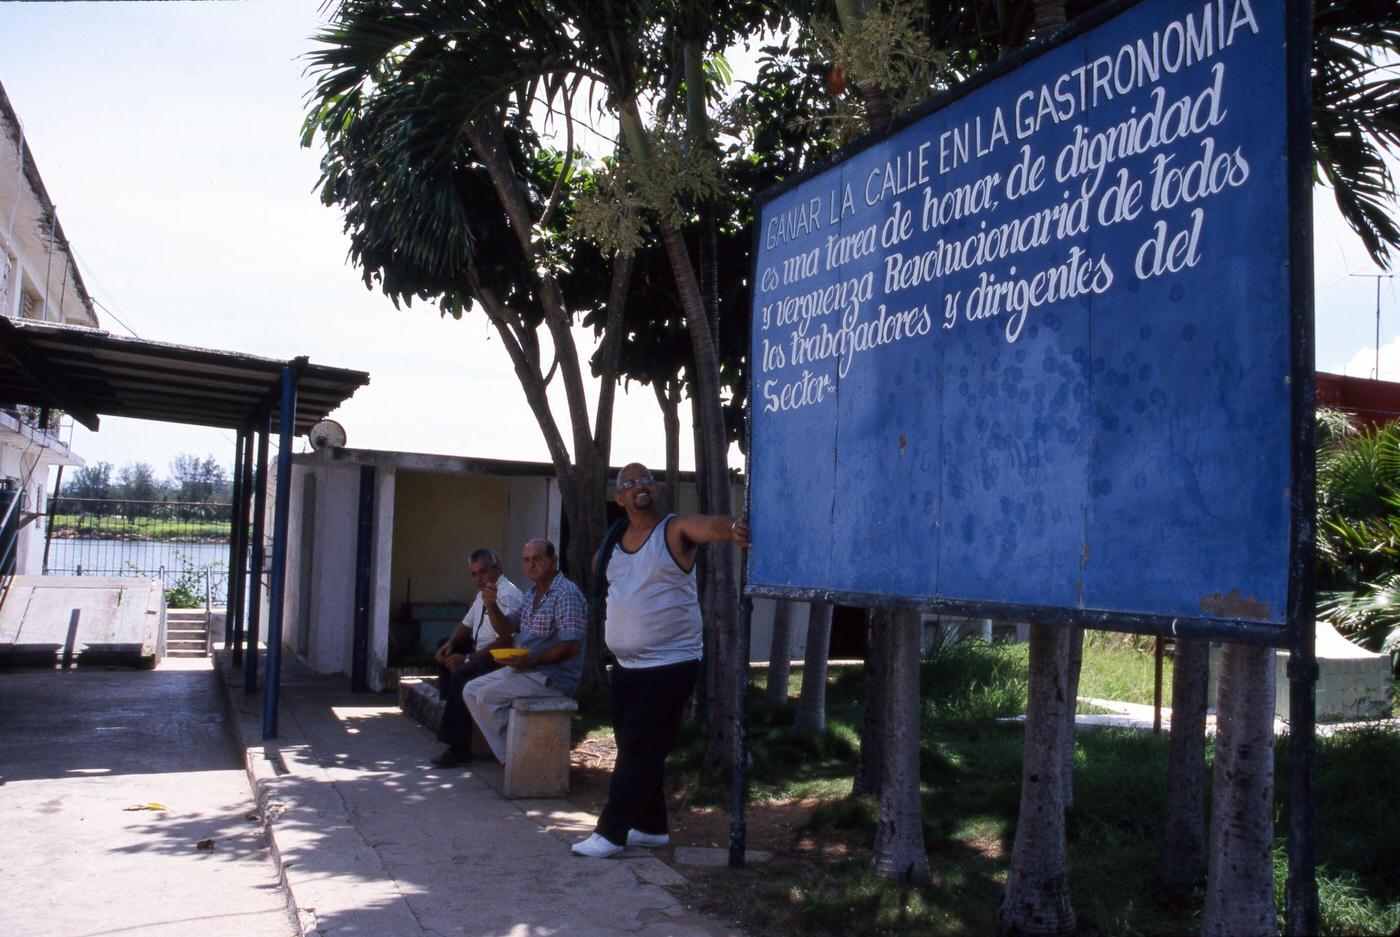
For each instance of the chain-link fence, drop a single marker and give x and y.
(182, 543)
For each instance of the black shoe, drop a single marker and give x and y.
(452, 757)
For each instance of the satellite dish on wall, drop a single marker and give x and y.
(327, 434)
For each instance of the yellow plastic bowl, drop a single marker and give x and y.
(504, 654)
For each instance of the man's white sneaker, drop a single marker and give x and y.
(646, 840)
(595, 847)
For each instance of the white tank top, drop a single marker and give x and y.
(653, 614)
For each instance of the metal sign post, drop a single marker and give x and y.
(1301, 901)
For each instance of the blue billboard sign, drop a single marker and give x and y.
(1033, 350)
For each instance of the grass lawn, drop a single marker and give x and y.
(118, 527)
(819, 881)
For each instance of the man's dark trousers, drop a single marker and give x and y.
(456, 726)
(647, 705)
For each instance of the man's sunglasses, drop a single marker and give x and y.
(634, 482)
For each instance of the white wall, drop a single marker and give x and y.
(25, 460)
(321, 580)
(532, 510)
(425, 524)
(522, 507)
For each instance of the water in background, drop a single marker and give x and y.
(171, 562)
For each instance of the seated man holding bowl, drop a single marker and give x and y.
(552, 630)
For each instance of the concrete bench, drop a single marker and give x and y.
(537, 747)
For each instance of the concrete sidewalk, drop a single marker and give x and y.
(124, 810)
(371, 839)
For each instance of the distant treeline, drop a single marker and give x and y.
(194, 487)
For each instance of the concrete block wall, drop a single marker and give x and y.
(1353, 683)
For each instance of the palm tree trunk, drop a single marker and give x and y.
(1183, 859)
(1240, 883)
(705, 694)
(870, 764)
(714, 455)
(721, 583)
(899, 838)
(1036, 900)
(669, 402)
(780, 653)
(811, 706)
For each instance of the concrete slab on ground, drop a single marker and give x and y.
(49, 621)
(1137, 717)
(373, 839)
(77, 749)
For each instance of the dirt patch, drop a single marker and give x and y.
(988, 846)
(772, 826)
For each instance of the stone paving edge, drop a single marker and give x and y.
(264, 763)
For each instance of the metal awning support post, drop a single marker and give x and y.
(359, 650)
(230, 587)
(245, 470)
(250, 662)
(286, 424)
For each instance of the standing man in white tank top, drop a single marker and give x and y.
(653, 628)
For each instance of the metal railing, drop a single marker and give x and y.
(182, 543)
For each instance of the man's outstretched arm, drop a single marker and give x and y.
(688, 532)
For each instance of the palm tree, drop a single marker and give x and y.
(1036, 899)
(899, 837)
(454, 79)
(1356, 114)
(870, 762)
(1358, 530)
(450, 196)
(1183, 858)
(780, 652)
(1240, 882)
(811, 705)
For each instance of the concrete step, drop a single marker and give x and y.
(185, 632)
(183, 653)
(182, 614)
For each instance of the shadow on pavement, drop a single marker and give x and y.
(58, 724)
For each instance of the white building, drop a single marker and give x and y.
(39, 280)
(429, 512)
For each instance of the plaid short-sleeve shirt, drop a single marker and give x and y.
(562, 616)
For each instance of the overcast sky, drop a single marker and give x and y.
(167, 135)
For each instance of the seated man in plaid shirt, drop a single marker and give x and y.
(553, 628)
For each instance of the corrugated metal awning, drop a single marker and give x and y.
(90, 373)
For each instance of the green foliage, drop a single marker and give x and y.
(972, 680)
(181, 595)
(1122, 667)
(886, 49)
(1356, 114)
(187, 588)
(123, 527)
(970, 769)
(1358, 530)
(615, 211)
